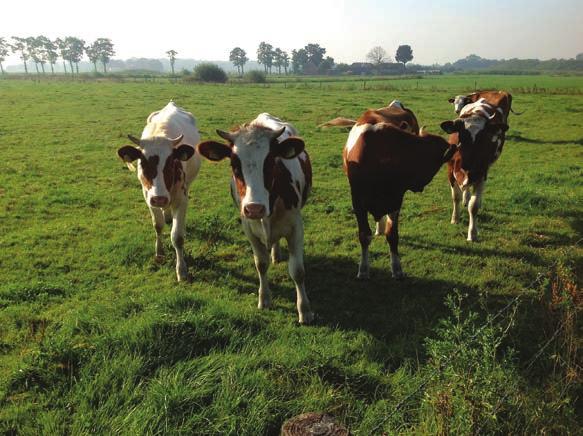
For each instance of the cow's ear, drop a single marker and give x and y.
(450, 126)
(213, 150)
(404, 125)
(183, 152)
(451, 100)
(129, 153)
(288, 148)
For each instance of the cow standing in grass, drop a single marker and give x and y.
(479, 133)
(395, 114)
(272, 177)
(383, 158)
(167, 165)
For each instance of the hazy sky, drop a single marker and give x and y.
(438, 31)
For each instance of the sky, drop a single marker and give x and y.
(438, 31)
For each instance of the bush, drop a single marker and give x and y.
(255, 76)
(206, 72)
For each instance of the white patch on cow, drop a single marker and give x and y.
(354, 135)
(459, 102)
(474, 125)
(396, 103)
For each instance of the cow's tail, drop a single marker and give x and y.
(516, 113)
(339, 122)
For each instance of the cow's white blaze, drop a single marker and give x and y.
(252, 153)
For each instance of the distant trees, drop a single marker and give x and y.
(299, 60)
(4, 51)
(172, 57)
(404, 54)
(239, 58)
(75, 50)
(579, 57)
(92, 52)
(265, 56)
(19, 46)
(310, 60)
(377, 55)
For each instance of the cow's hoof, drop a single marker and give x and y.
(265, 304)
(182, 277)
(307, 318)
(159, 258)
(363, 276)
(472, 239)
(454, 221)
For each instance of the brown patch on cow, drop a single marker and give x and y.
(149, 170)
(393, 115)
(173, 172)
(238, 175)
(306, 166)
(385, 163)
(282, 186)
(499, 99)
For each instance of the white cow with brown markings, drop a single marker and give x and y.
(167, 165)
(272, 177)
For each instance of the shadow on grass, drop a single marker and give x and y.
(520, 138)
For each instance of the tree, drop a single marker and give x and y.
(46, 50)
(239, 58)
(92, 52)
(63, 51)
(285, 61)
(265, 56)
(4, 51)
(19, 45)
(75, 50)
(404, 54)
(326, 65)
(315, 53)
(32, 50)
(299, 60)
(278, 59)
(172, 57)
(579, 57)
(377, 55)
(105, 50)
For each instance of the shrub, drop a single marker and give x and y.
(206, 72)
(255, 76)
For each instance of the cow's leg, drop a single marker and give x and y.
(261, 258)
(473, 207)
(158, 222)
(392, 234)
(456, 196)
(295, 243)
(275, 253)
(178, 232)
(381, 226)
(467, 195)
(168, 216)
(365, 237)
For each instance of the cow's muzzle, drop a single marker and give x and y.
(254, 211)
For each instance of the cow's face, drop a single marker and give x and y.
(253, 151)
(459, 101)
(159, 166)
(479, 143)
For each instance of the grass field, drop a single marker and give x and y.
(96, 338)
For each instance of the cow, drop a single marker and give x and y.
(499, 99)
(382, 162)
(271, 180)
(167, 165)
(479, 133)
(395, 114)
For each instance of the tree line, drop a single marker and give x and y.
(309, 59)
(42, 51)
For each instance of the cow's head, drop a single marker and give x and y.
(159, 166)
(253, 150)
(479, 141)
(459, 101)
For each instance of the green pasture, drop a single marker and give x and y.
(96, 338)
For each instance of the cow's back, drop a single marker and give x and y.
(394, 115)
(500, 99)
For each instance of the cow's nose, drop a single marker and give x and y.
(254, 211)
(159, 201)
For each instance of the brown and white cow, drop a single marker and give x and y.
(382, 162)
(479, 133)
(272, 177)
(395, 114)
(500, 99)
(167, 165)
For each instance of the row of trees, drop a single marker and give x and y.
(309, 60)
(42, 51)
